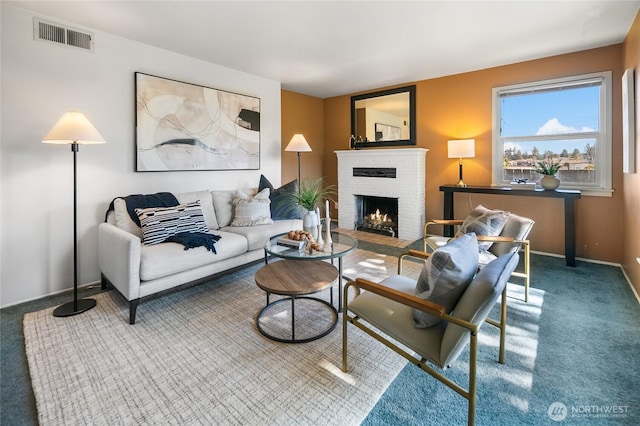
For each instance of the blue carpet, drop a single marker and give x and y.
(574, 347)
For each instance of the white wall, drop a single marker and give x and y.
(41, 81)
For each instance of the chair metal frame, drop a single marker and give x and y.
(415, 302)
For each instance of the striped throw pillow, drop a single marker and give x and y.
(158, 224)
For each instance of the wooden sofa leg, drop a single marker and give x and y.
(133, 306)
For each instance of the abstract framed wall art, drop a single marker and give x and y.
(182, 126)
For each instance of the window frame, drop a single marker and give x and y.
(603, 164)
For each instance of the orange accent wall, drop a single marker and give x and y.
(460, 106)
(302, 114)
(631, 182)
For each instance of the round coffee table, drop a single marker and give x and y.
(296, 280)
(341, 245)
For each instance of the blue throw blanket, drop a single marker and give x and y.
(195, 239)
(140, 201)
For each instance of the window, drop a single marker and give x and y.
(565, 121)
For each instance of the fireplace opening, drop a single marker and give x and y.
(378, 215)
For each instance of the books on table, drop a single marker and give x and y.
(288, 242)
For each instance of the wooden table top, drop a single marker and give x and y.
(295, 278)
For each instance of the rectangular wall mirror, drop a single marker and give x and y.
(384, 118)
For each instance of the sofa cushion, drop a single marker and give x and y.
(123, 220)
(283, 205)
(206, 203)
(483, 221)
(160, 223)
(161, 260)
(251, 210)
(446, 275)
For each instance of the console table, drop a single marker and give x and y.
(568, 195)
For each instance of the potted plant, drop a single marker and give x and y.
(309, 196)
(548, 169)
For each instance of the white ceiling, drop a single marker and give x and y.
(329, 48)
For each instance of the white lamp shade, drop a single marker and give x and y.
(298, 144)
(462, 148)
(73, 127)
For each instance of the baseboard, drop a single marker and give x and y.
(55, 293)
(633, 289)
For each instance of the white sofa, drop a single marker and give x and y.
(144, 272)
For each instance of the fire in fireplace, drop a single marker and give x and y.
(377, 214)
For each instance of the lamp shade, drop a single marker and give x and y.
(298, 144)
(73, 127)
(462, 148)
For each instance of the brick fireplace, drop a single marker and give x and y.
(388, 174)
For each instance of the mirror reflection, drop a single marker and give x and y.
(384, 118)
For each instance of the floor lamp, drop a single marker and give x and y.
(75, 129)
(463, 148)
(298, 144)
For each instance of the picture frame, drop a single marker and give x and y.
(182, 126)
(387, 132)
(628, 122)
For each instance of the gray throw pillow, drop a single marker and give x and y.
(445, 276)
(483, 221)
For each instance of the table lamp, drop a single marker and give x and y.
(462, 148)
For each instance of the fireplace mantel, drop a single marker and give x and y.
(408, 185)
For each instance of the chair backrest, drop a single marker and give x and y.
(476, 303)
(517, 227)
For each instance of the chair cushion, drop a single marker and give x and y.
(160, 223)
(395, 319)
(484, 221)
(283, 205)
(446, 275)
(252, 210)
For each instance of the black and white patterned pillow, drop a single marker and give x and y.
(158, 224)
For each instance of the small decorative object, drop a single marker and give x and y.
(522, 183)
(319, 238)
(548, 169)
(352, 142)
(328, 241)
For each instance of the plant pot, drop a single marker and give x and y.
(310, 223)
(549, 182)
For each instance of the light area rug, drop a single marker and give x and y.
(196, 357)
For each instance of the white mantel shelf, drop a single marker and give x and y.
(408, 186)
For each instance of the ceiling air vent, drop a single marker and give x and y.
(60, 34)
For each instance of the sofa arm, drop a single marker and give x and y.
(119, 259)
